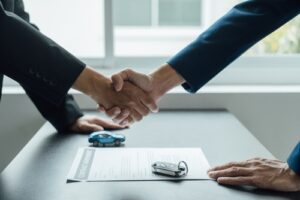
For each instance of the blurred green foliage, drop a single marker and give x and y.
(285, 40)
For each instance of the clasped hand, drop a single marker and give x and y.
(142, 89)
(130, 104)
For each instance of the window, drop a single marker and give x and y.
(142, 28)
(145, 33)
(157, 12)
(155, 27)
(76, 25)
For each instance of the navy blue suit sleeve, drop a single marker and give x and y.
(229, 37)
(294, 159)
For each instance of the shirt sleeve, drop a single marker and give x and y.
(229, 37)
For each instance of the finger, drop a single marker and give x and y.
(140, 108)
(128, 121)
(139, 79)
(93, 127)
(236, 181)
(87, 127)
(101, 108)
(228, 165)
(113, 112)
(136, 116)
(122, 116)
(231, 172)
(118, 80)
(106, 124)
(149, 103)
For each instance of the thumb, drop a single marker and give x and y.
(118, 81)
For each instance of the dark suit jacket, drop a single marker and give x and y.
(228, 38)
(44, 69)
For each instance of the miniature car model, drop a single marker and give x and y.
(106, 137)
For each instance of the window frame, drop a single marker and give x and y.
(281, 69)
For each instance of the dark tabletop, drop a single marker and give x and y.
(40, 169)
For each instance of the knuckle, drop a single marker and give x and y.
(128, 71)
(131, 104)
(232, 164)
(256, 163)
(235, 170)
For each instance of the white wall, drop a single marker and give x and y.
(273, 117)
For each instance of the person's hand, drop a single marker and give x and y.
(93, 123)
(257, 172)
(130, 101)
(156, 85)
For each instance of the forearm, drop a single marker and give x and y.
(91, 83)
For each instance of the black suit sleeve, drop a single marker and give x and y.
(61, 115)
(34, 60)
(20, 10)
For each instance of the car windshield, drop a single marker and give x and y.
(105, 135)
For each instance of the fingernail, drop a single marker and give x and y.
(117, 112)
(210, 174)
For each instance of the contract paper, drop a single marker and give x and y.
(134, 164)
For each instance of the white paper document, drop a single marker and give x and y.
(132, 164)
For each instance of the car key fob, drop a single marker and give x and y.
(170, 169)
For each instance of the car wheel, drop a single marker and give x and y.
(95, 143)
(117, 143)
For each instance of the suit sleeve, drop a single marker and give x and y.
(229, 37)
(20, 10)
(34, 60)
(294, 159)
(61, 116)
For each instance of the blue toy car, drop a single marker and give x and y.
(106, 137)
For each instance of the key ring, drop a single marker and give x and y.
(186, 167)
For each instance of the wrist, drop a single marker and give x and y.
(293, 176)
(91, 83)
(83, 83)
(164, 79)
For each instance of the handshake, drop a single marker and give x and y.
(128, 96)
